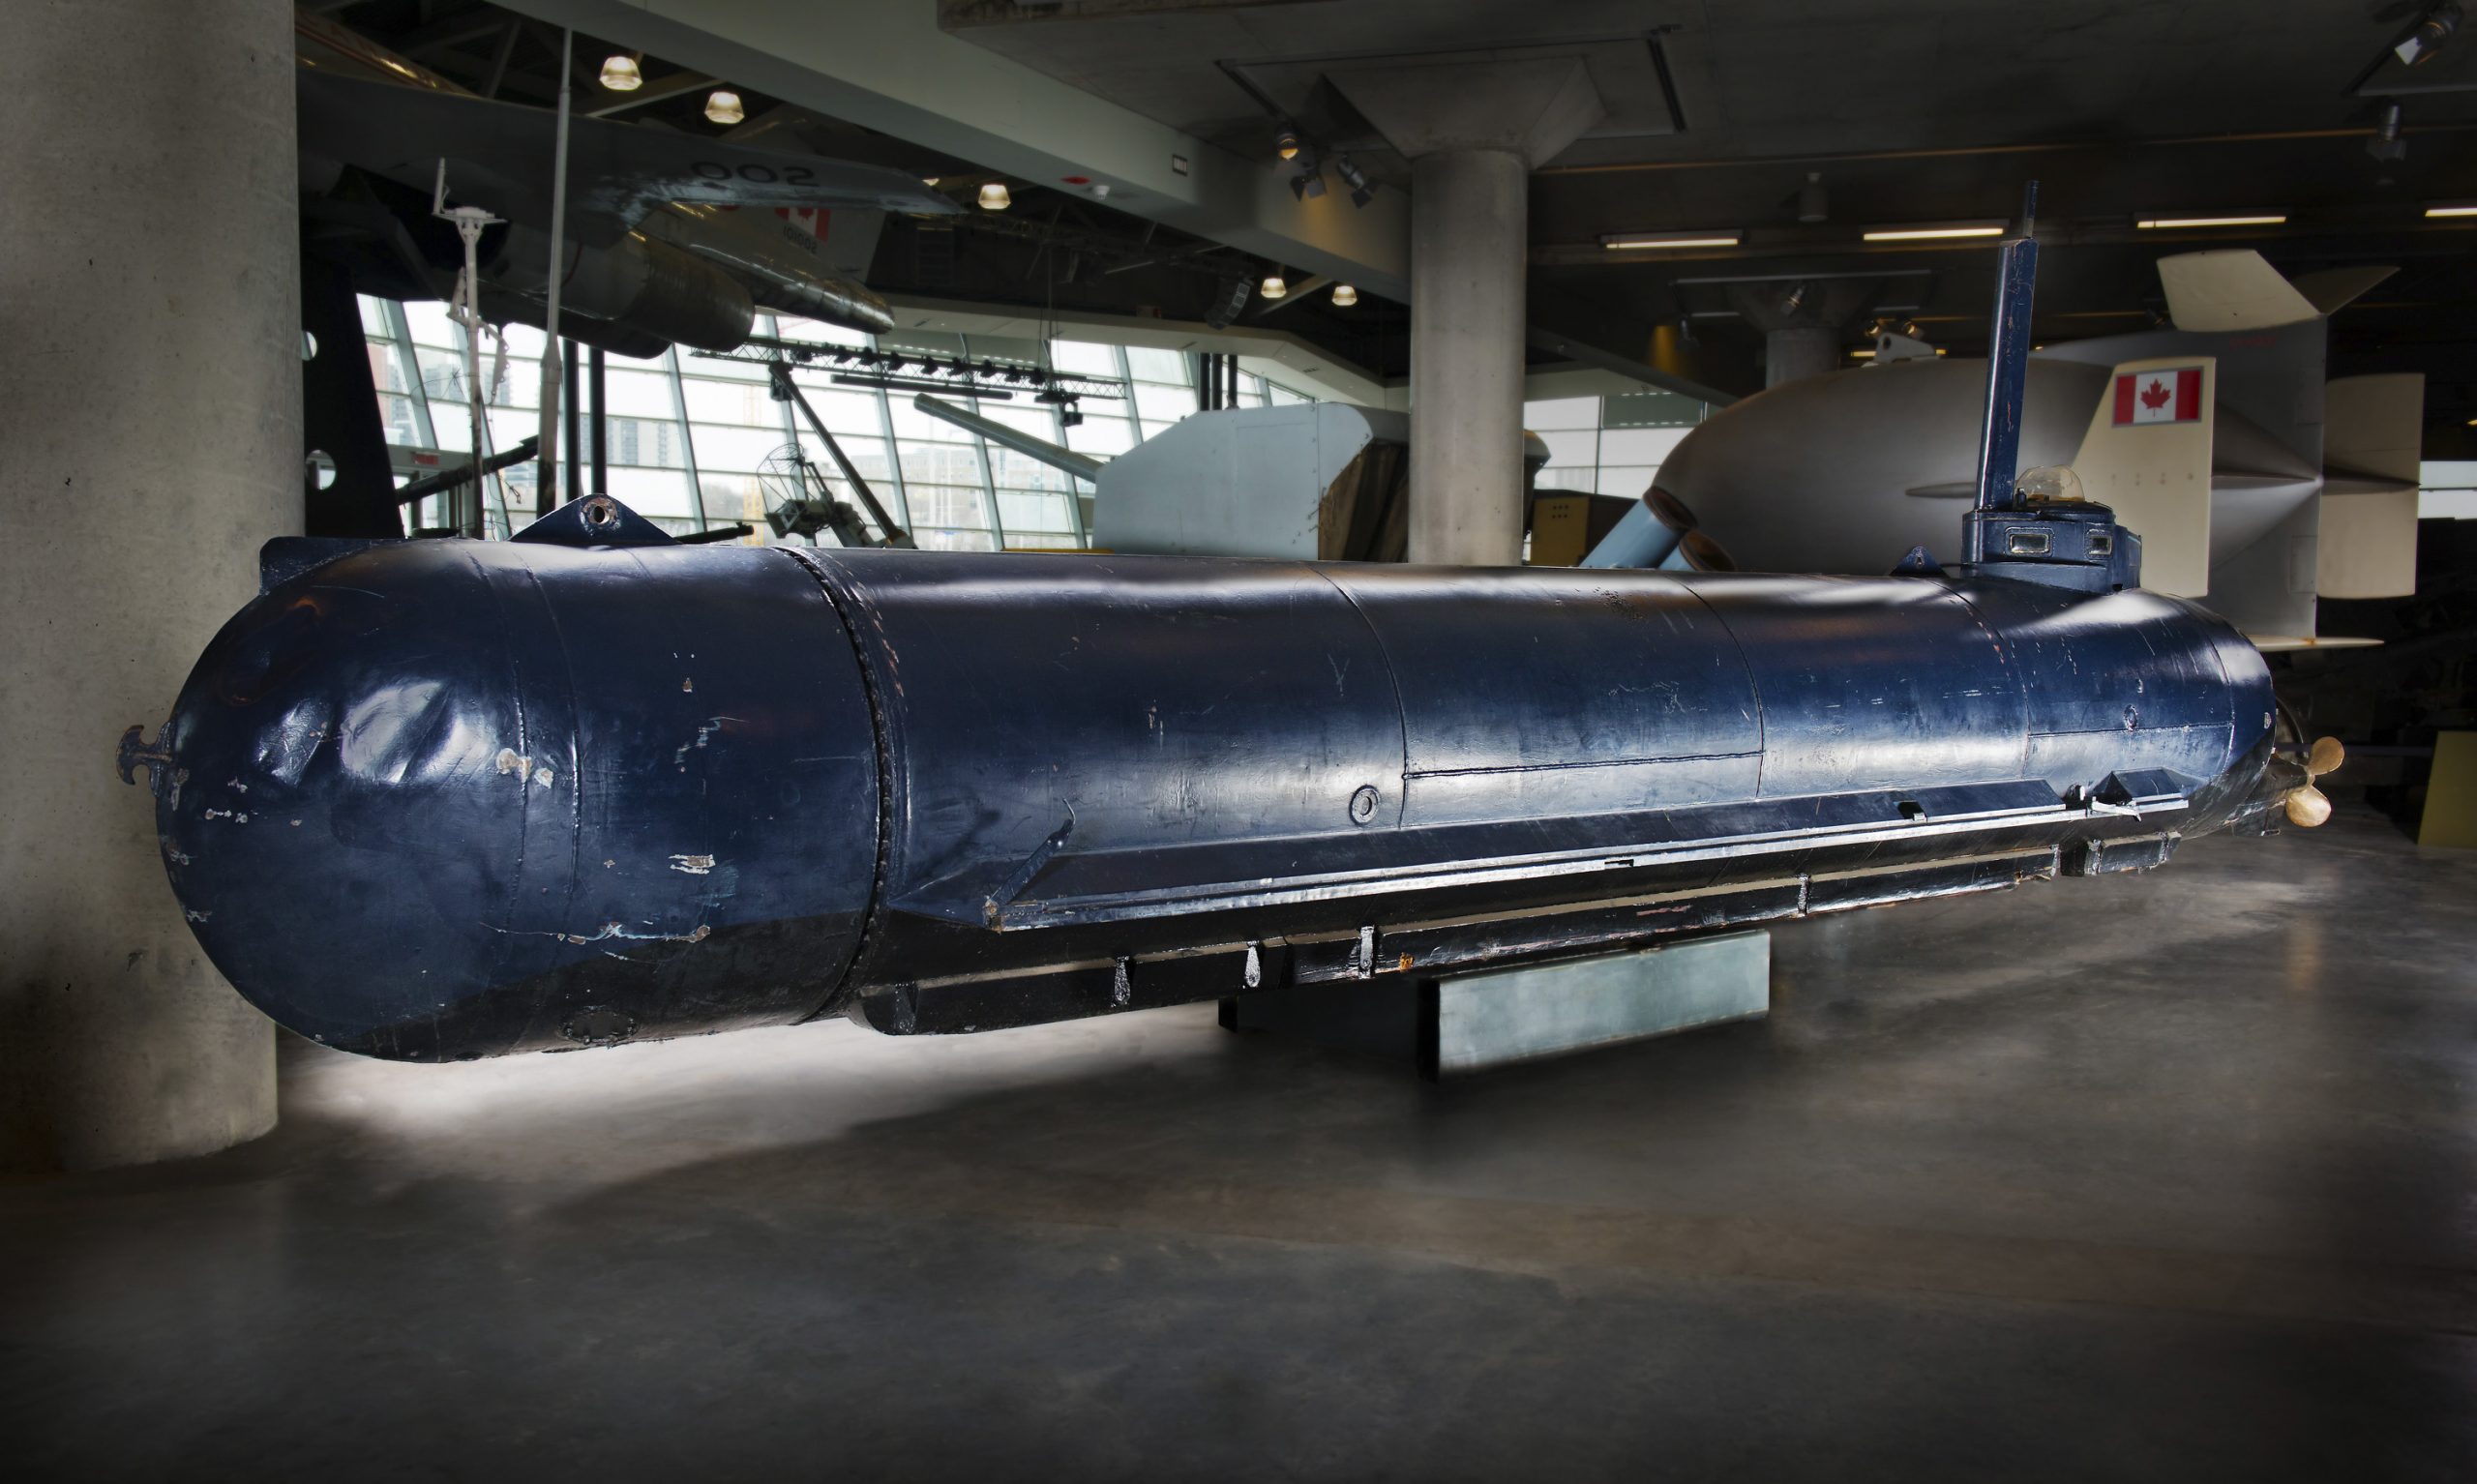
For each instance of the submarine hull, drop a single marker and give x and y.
(447, 799)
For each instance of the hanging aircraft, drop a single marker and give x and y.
(669, 238)
(2255, 484)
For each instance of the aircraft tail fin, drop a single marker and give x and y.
(2333, 290)
(849, 238)
(2373, 431)
(2231, 289)
(2147, 455)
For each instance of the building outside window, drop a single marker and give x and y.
(1609, 445)
(687, 436)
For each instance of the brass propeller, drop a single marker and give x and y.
(2307, 805)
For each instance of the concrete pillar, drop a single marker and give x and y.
(150, 405)
(1473, 132)
(1803, 320)
(1468, 209)
(1800, 351)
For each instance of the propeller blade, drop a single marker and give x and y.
(2308, 808)
(2326, 756)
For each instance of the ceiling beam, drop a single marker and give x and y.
(889, 67)
(2450, 237)
(662, 91)
(500, 56)
(1294, 293)
(448, 35)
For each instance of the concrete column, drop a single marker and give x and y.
(1803, 320)
(1800, 351)
(150, 405)
(1472, 131)
(1467, 246)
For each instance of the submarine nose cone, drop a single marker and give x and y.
(445, 799)
(348, 768)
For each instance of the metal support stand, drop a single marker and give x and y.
(787, 390)
(463, 474)
(600, 436)
(465, 309)
(569, 433)
(545, 486)
(1472, 1022)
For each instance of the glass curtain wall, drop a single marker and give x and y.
(688, 436)
(1586, 454)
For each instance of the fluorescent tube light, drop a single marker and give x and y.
(1928, 231)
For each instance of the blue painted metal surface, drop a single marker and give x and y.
(450, 799)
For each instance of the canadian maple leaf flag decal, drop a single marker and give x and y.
(814, 218)
(2172, 395)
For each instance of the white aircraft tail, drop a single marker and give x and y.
(850, 237)
(2332, 289)
(2147, 455)
(2372, 435)
(2234, 289)
(845, 236)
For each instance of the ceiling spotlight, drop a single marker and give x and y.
(1307, 184)
(1286, 142)
(2419, 44)
(619, 74)
(1705, 239)
(1354, 178)
(994, 196)
(1273, 288)
(2259, 218)
(1344, 296)
(2386, 143)
(1929, 231)
(722, 106)
(1813, 206)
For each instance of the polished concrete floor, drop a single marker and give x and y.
(2166, 1177)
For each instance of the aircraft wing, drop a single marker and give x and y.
(499, 158)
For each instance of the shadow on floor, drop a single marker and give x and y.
(2161, 1176)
